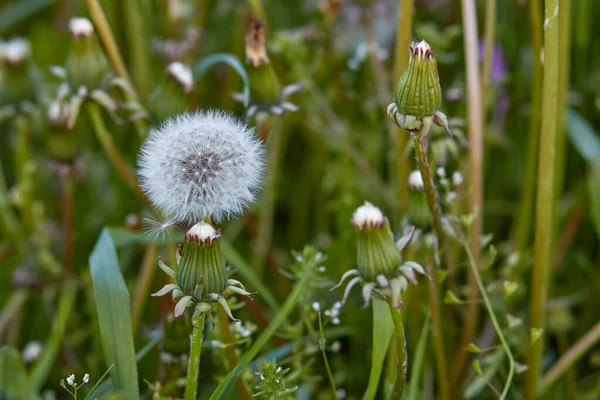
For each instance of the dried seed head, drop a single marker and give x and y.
(182, 74)
(201, 164)
(80, 28)
(256, 53)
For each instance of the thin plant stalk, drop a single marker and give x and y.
(136, 37)
(142, 289)
(523, 224)
(67, 222)
(113, 153)
(275, 147)
(398, 136)
(438, 338)
(265, 337)
(114, 56)
(401, 358)
(227, 338)
(490, 32)
(431, 194)
(258, 11)
(325, 359)
(566, 362)
(191, 385)
(544, 217)
(417, 366)
(475, 123)
(497, 328)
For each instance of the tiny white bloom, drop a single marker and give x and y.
(201, 164)
(335, 321)
(457, 178)
(316, 306)
(15, 50)
(81, 27)
(415, 180)
(182, 74)
(31, 352)
(71, 379)
(86, 378)
(336, 346)
(278, 370)
(441, 171)
(341, 394)
(368, 215)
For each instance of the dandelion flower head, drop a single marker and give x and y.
(201, 164)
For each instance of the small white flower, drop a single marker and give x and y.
(341, 394)
(368, 216)
(182, 75)
(71, 379)
(336, 346)
(201, 164)
(335, 321)
(15, 50)
(415, 180)
(441, 171)
(31, 352)
(457, 178)
(86, 378)
(81, 27)
(278, 370)
(316, 306)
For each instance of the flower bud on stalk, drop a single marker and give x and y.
(87, 64)
(172, 95)
(419, 95)
(18, 76)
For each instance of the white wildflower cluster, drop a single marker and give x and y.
(243, 331)
(201, 164)
(70, 381)
(334, 312)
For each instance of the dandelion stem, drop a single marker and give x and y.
(544, 217)
(438, 338)
(490, 311)
(399, 136)
(227, 339)
(565, 363)
(112, 51)
(475, 123)
(523, 225)
(113, 153)
(191, 385)
(401, 357)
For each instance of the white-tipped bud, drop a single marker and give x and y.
(368, 216)
(423, 49)
(81, 27)
(182, 74)
(71, 379)
(457, 178)
(202, 233)
(16, 50)
(415, 180)
(86, 378)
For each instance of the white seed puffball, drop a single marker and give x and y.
(367, 215)
(201, 164)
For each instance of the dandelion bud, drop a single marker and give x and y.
(86, 63)
(19, 79)
(377, 252)
(419, 95)
(201, 270)
(171, 96)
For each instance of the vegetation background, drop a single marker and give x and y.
(77, 269)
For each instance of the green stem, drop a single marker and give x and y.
(398, 136)
(113, 153)
(383, 329)
(415, 375)
(431, 194)
(191, 385)
(112, 51)
(258, 11)
(566, 362)
(325, 360)
(523, 225)
(438, 338)
(264, 338)
(401, 358)
(67, 222)
(490, 29)
(544, 218)
(490, 311)
(138, 45)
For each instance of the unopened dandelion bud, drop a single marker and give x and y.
(171, 96)
(418, 95)
(377, 252)
(87, 64)
(201, 270)
(18, 76)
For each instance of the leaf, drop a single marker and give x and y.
(201, 67)
(13, 376)
(383, 329)
(114, 315)
(587, 143)
(473, 348)
(14, 13)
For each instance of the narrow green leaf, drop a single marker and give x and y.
(114, 314)
(383, 329)
(202, 66)
(419, 360)
(13, 376)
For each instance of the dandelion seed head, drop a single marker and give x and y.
(367, 215)
(81, 27)
(201, 164)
